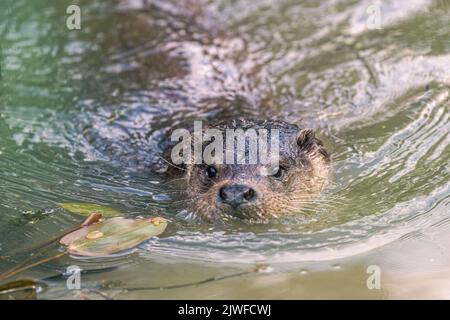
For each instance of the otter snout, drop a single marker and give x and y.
(236, 194)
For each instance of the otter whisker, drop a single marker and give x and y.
(171, 164)
(191, 199)
(312, 204)
(321, 202)
(172, 181)
(175, 192)
(323, 198)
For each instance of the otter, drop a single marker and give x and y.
(193, 71)
(255, 191)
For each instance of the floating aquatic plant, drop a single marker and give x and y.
(86, 209)
(94, 237)
(112, 236)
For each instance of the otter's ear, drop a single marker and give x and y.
(305, 138)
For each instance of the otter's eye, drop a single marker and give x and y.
(277, 172)
(211, 171)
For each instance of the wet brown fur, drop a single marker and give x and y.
(304, 159)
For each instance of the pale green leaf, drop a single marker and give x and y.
(85, 209)
(112, 236)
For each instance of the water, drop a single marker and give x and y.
(82, 114)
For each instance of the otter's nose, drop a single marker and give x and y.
(236, 194)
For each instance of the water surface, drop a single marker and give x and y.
(83, 113)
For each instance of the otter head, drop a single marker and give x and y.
(260, 191)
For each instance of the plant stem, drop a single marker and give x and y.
(16, 270)
(24, 265)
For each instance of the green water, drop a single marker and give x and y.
(82, 113)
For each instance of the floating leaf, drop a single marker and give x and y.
(94, 235)
(18, 290)
(112, 236)
(85, 209)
